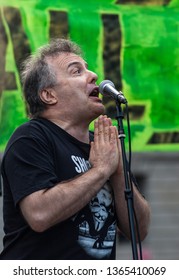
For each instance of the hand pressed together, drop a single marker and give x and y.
(104, 154)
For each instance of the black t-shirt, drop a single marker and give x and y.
(39, 155)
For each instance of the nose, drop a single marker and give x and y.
(92, 76)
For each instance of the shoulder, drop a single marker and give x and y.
(34, 129)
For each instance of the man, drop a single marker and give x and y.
(64, 189)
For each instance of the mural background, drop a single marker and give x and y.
(135, 44)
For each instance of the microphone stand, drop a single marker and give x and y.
(127, 191)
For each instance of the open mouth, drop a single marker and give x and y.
(94, 95)
(94, 92)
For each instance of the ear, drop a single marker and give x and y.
(48, 96)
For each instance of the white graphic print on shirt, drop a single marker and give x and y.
(95, 224)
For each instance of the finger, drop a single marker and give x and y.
(106, 130)
(110, 121)
(117, 136)
(113, 135)
(100, 128)
(96, 131)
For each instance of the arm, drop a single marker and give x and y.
(47, 207)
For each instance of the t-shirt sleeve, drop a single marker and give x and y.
(29, 167)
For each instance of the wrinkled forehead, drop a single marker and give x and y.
(65, 60)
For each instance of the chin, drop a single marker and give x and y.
(99, 112)
(95, 111)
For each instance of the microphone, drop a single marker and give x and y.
(107, 88)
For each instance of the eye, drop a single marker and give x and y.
(76, 70)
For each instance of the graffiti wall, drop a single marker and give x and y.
(135, 44)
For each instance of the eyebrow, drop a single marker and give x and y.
(77, 63)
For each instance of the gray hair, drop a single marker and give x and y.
(37, 74)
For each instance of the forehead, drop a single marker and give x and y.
(66, 60)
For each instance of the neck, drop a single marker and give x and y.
(76, 127)
(79, 130)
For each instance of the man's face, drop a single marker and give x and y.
(76, 87)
